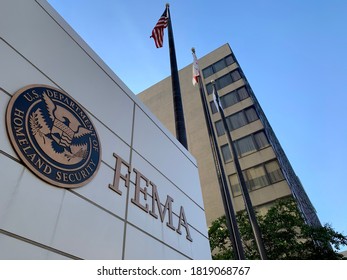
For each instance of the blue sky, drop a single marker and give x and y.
(293, 53)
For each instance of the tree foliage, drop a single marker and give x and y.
(285, 236)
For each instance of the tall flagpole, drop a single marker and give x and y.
(245, 194)
(234, 233)
(176, 90)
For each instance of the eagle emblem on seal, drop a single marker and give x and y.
(53, 124)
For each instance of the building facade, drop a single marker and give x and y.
(86, 169)
(266, 169)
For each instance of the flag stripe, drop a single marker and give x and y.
(158, 30)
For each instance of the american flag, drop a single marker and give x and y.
(158, 30)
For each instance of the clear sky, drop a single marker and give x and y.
(293, 53)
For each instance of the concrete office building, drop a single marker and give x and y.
(267, 171)
(86, 169)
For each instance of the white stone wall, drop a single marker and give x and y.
(40, 221)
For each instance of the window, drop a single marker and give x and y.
(231, 98)
(261, 139)
(207, 72)
(217, 66)
(213, 107)
(236, 120)
(219, 128)
(241, 118)
(274, 172)
(251, 114)
(251, 143)
(242, 93)
(235, 185)
(256, 177)
(226, 152)
(224, 81)
(245, 146)
(235, 75)
(229, 60)
(209, 88)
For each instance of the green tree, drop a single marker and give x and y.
(285, 236)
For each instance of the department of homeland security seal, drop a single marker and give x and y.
(53, 136)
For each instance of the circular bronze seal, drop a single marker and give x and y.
(53, 136)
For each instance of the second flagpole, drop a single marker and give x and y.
(234, 233)
(245, 193)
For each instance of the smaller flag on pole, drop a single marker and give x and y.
(196, 70)
(216, 99)
(158, 30)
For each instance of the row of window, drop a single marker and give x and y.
(257, 177)
(246, 145)
(230, 98)
(237, 120)
(224, 81)
(217, 66)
